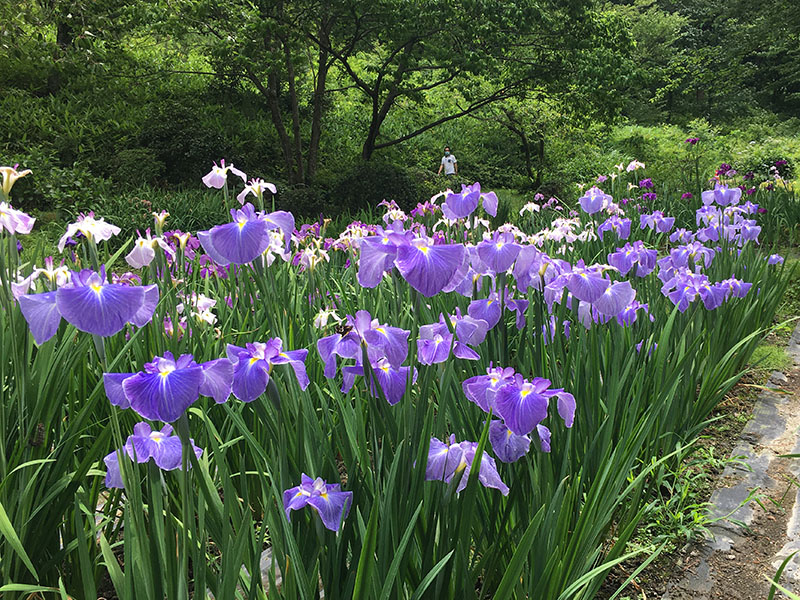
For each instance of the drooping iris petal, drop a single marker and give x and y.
(250, 379)
(375, 259)
(280, 219)
(487, 474)
(615, 298)
(458, 206)
(41, 313)
(587, 285)
(508, 446)
(332, 506)
(99, 308)
(208, 246)
(164, 395)
(240, 242)
(429, 268)
(487, 310)
(544, 437)
(566, 407)
(217, 379)
(500, 252)
(113, 475)
(443, 459)
(522, 404)
(112, 382)
(145, 313)
(393, 341)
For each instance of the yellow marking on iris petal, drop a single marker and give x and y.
(324, 496)
(253, 361)
(97, 288)
(380, 330)
(508, 433)
(241, 224)
(524, 393)
(424, 250)
(385, 368)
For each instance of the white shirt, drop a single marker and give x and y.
(449, 164)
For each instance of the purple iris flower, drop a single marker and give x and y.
(168, 386)
(435, 349)
(657, 221)
(382, 341)
(464, 203)
(621, 227)
(252, 366)
(686, 287)
(332, 504)
(391, 380)
(774, 259)
(627, 316)
(684, 236)
(378, 253)
(586, 283)
(594, 200)
(89, 303)
(614, 300)
(523, 404)
(15, 221)
(507, 445)
(749, 231)
(482, 389)
(246, 238)
(735, 288)
(164, 448)
(500, 252)
(646, 184)
(695, 251)
(469, 332)
(218, 175)
(487, 309)
(637, 254)
(428, 267)
(445, 460)
(722, 195)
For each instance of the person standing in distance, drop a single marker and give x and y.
(449, 163)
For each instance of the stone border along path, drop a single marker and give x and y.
(733, 560)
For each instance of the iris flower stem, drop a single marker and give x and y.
(93, 256)
(187, 509)
(501, 281)
(225, 195)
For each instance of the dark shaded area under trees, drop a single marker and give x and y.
(345, 100)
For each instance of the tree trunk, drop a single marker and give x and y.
(277, 120)
(297, 141)
(540, 166)
(318, 101)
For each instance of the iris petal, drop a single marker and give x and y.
(163, 397)
(102, 310)
(41, 313)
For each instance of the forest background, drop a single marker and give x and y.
(344, 103)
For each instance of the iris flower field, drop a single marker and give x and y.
(464, 400)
